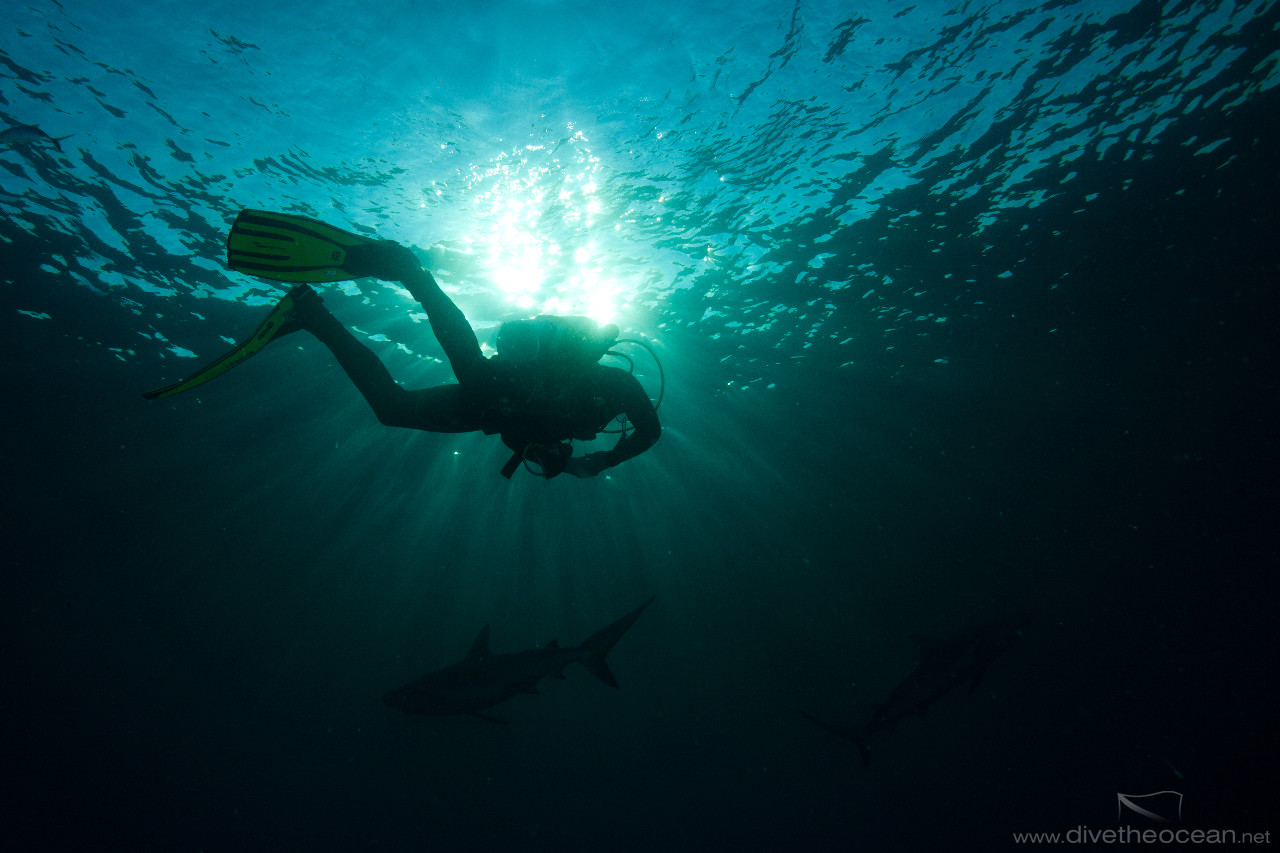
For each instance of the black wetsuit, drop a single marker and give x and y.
(535, 405)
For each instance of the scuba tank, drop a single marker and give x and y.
(548, 338)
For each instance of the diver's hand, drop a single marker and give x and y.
(549, 458)
(585, 466)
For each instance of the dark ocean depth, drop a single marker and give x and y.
(966, 313)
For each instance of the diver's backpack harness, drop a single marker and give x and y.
(575, 340)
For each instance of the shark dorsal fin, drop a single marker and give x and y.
(480, 648)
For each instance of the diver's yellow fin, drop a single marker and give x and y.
(276, 325)
(285, 247)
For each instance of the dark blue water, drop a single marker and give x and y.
(965, 310)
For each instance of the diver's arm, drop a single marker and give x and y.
(639, 410)
(630, 398)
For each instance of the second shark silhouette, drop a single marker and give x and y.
(944, 666)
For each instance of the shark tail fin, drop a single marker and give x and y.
(598, 645)
(858, 736)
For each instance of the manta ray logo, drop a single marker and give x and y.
(1161, 807)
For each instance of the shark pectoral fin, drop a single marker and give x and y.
(486, 717)
(977, 677)
(531, 687)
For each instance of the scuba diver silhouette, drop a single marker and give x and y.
(543, 388)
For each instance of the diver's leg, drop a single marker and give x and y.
(449, 325)
(391, 261)
(391, 404)
(447, 408)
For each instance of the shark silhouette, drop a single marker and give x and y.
(944, 665)
(29, 134)
(484, 678)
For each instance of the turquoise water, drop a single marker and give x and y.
(964, 310)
